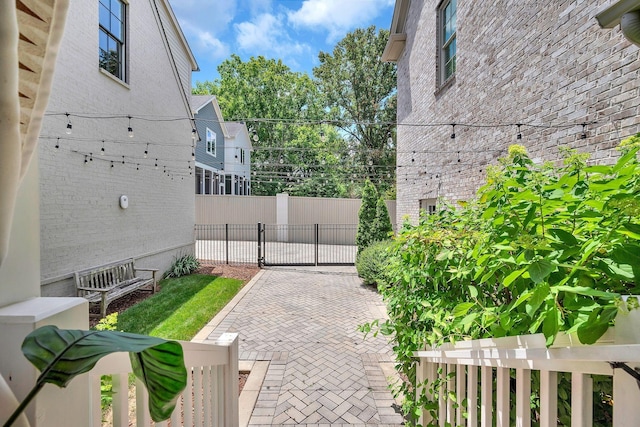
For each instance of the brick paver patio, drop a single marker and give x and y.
(321, 371)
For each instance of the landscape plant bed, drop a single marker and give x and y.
(243, 273)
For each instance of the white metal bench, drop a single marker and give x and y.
(109, 282)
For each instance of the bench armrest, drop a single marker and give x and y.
(153, 275)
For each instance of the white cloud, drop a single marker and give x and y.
(204, 42)
(203, 21)
(207, 15)
(266, 34)
(337, 17)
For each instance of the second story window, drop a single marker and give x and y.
(112, 37)
(448, 39)
(211, 142)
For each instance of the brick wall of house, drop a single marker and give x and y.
(518, 61)
(82, 224)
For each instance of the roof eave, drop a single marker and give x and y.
(176, 24)
(609, 16)
(397, 35)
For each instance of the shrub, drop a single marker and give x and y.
(542, 249)
(373, 263)
(382, 223)
(366, 216)
(183, 266)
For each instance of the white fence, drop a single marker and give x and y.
(463, 389)
(210, 399)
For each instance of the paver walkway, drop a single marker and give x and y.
(321, 371)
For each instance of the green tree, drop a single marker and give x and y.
(360, 94)
(382, 223)
(366, 216)
(289, 149)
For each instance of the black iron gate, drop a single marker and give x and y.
(270, 244)
(307, 244)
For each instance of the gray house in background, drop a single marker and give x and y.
(209, 150)
(222, 153)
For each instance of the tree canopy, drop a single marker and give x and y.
(315, 137)
(360, 93)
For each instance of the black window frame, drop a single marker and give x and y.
(112, 37)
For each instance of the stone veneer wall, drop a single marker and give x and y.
(519, 61)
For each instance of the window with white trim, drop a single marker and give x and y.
(211, 142)
(112, 37)
(447, 29)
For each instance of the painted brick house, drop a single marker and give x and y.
(124, 77)
(488, 67)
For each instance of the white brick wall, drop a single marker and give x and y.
(82, 224)
(519, 61)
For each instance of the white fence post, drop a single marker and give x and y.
(523, 398)
(231, 382)
(581, 400)
(548, 398)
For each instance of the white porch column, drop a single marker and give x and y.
(22, 310)
(282, 216)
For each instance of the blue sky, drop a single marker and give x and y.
(292, 30)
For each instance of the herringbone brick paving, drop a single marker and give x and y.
(321, 371)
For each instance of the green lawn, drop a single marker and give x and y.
(181, 308)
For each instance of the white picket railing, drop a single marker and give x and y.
(210, 399)
(456, 368)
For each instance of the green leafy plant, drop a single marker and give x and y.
(182, 266)
(61, 354)
(108, 323)
(542, 249)
(373, 262)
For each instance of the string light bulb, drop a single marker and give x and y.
(58, 143)
(519, 135)
(123, 160)
(85, 158)
(156, 164)
(130, 129)
(69, 125)
(193, 134)
(453, 131)
(102, 149)
(193, 154)
(584, 131)
(146, 151)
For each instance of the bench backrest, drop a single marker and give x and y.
(105, 276)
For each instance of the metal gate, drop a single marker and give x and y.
(271, 244)
(308, 244)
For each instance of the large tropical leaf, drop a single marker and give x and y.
(61, 354)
